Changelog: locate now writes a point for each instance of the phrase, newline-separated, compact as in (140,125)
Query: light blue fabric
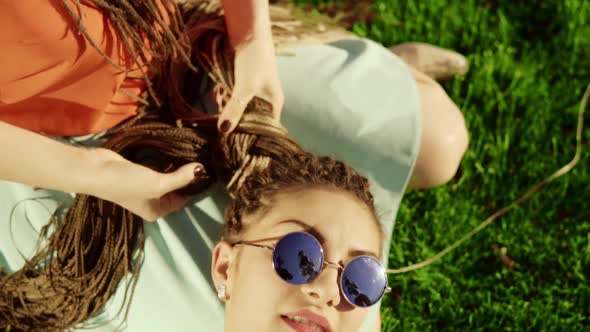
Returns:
(352,99)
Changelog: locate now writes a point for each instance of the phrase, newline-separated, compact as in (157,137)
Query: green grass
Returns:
(529,67)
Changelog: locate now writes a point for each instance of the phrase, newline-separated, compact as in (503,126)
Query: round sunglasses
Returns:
(298,258)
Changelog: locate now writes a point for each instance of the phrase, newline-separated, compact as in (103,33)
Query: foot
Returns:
(438,63)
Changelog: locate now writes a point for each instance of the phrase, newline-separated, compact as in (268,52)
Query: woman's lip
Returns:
(313,317)
(298,327)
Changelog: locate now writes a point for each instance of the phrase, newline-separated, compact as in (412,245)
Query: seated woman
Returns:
(328,198)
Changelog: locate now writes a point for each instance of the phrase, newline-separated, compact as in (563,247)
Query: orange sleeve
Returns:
(38,48)
(51,79)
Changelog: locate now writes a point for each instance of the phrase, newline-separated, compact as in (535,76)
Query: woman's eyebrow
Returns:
(354,253)
(313,231)
(308,228)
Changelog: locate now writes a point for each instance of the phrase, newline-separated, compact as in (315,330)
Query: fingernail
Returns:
(199,170)
(225,126)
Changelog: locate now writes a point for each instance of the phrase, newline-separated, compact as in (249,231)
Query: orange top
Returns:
(52,80)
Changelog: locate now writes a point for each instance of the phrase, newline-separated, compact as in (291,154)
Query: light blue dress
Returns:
(352,99)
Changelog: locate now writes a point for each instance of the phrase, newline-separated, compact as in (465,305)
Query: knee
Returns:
(452,149)
(450,136)
(445,138)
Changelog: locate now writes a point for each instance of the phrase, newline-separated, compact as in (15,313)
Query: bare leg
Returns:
(444,135)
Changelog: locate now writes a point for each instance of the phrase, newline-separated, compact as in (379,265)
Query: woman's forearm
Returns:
(247,20)
(39,161)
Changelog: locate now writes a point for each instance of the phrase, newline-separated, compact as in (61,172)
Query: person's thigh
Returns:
(444,135)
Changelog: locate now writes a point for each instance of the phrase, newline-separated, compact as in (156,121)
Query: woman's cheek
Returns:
(257,293)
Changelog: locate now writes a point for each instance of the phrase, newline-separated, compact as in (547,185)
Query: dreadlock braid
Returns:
(97,244)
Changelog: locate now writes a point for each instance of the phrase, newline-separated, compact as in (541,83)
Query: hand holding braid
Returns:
(137,188)
(256,74)
(255,65)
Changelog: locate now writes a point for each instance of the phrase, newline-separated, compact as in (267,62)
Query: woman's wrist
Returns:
(91,182)
(80,166)
(106,173)
(40,161)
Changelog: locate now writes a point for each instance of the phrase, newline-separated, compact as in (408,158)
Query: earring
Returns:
(221,293)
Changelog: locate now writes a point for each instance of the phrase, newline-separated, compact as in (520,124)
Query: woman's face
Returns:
(258,299)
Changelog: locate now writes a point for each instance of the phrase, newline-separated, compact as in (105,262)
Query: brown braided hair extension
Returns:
(95,244)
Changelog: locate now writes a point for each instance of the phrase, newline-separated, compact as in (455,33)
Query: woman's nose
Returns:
(324,288)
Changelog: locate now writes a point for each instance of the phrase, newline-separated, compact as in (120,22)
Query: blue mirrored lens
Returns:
(363,281)
(298,258)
